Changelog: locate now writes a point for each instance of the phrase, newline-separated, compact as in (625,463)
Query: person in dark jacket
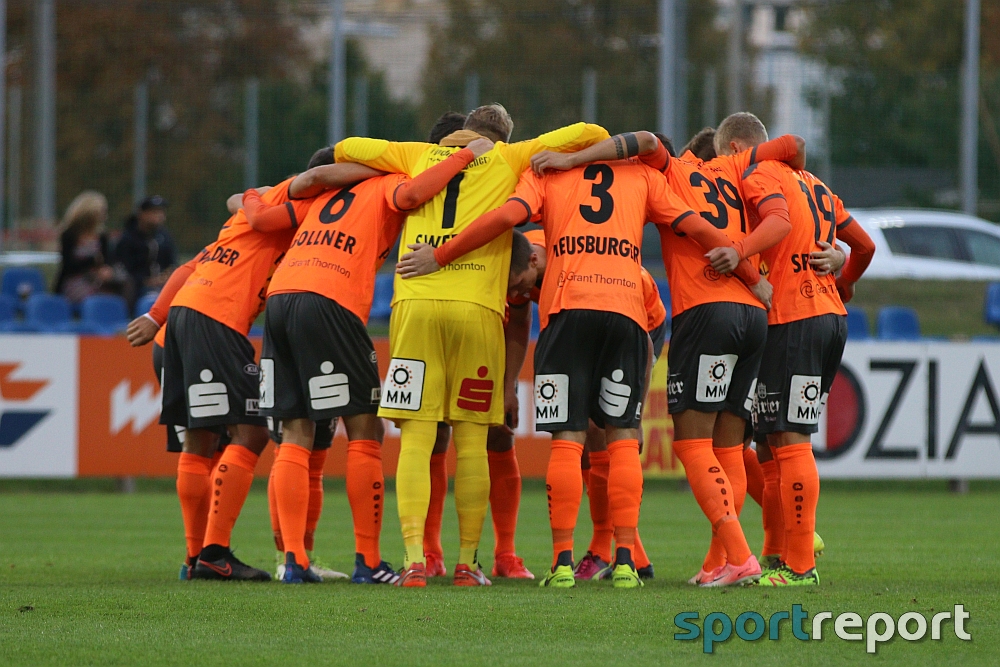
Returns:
(146,250)
(85,252)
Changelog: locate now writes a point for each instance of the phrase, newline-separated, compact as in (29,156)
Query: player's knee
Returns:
(365,427)
(254,438)
(499,440)
(200,441)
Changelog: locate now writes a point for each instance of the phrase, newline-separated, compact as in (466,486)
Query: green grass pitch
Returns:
(91,578)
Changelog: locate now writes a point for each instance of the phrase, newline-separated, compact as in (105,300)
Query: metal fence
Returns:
(197,100)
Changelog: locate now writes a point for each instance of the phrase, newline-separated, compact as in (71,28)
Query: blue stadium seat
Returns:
(103,315)
(991,307)
(857,324)
(143,305)
(47,313)
(256,331)
(8,313)
(535,321)
(21,282)
(382,301)
(898,323)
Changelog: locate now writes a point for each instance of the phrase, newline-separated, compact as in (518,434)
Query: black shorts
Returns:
(318,361)
(209,374)
(321,440)
(801,359)
(175,434)
(589,364)
(659,337)
(715,351)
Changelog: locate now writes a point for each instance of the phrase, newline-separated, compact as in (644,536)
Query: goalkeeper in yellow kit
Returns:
(446,332)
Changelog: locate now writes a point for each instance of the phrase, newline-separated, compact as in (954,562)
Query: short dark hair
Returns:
(492,121)
(321,157)
(667,143)
(702,144)
(450,121)
(741,126)
(520,252)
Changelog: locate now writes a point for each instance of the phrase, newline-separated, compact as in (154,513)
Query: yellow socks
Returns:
(472,487)
(413,484)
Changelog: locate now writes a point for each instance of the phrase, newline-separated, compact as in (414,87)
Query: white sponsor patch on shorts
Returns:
(404,385)
(330,390)
(748,404)
(551,398)
(267,383)
(805,399)
(715,372)
(208,399)
(614,395)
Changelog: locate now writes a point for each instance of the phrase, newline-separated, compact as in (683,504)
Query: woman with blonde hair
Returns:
(84,244)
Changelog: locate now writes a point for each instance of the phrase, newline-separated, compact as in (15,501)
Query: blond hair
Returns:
(86,213)
(743,127)
(491,121)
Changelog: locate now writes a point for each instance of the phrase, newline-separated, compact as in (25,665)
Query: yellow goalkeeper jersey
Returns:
(486,183)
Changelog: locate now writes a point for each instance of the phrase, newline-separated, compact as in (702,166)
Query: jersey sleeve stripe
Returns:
(753,165)
(673,225)
(772,196)
(525,205)
(845,223)
(753,155)
(291,214)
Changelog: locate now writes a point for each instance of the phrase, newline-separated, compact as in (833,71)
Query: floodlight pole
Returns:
(140,135)
(667,73)
(338,75)
(251,133)
(734,59)
(45,115)
(589,107)
(471,91)
(970,110)
(3,116)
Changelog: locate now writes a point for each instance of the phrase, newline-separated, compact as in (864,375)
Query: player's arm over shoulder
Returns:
(400,157)
(564,140)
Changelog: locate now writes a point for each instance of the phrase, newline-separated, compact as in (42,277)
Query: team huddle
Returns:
(757,283)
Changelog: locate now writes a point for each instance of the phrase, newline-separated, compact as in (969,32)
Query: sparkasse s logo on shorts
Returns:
(878,628)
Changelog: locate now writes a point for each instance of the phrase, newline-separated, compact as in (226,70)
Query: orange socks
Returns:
(505,498)
(272,506)
(624,491)
(365,492)
(714,494)
(435,510)
(230,486)
(565,489)
(317,460)
(731,459)
(639,555)
(755,476)
(597,493)
(194,488)
(291,486)
(799,497)
(774,520)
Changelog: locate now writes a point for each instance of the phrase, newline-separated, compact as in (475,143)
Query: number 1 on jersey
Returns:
(451,201)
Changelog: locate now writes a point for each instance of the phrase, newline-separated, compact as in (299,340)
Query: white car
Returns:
(931,245)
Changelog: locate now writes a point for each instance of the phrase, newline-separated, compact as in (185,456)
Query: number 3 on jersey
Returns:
(599,191)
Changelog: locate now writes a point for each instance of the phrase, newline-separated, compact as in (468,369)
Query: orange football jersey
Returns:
(230,283)
(814,213)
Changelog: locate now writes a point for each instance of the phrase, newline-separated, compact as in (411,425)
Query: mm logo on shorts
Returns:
(805,399)
(551,398)
(209,399)
(404,385)
(476,395)
(714,376)
(329,390)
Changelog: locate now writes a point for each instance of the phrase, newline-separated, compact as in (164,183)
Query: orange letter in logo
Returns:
(476,395)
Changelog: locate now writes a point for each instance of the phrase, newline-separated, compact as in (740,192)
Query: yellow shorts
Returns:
(447,363)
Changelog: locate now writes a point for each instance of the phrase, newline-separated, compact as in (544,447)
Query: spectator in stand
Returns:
(84,245)
(146,249)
